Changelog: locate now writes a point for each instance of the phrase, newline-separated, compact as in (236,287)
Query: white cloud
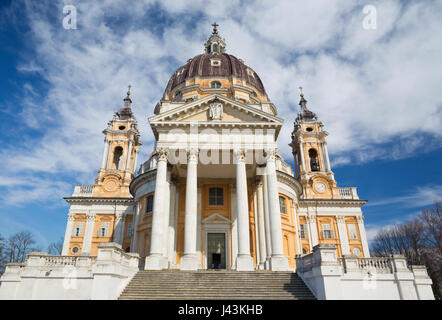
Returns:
(371,88)
(419,197)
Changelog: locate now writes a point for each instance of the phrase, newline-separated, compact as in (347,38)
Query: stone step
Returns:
(218,285)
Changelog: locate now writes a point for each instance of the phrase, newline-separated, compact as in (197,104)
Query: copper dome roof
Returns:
(201,66)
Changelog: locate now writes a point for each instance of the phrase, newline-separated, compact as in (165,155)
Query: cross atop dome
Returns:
(215,31)
(215,44)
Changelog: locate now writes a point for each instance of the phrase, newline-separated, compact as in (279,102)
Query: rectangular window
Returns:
(102,232)
(304,231)
(216,197)
(78,229)
(352,231)
(327,232)
(149,204)
(129,230)
(282,205)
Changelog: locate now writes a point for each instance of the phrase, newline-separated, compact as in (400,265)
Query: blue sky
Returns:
(376,91)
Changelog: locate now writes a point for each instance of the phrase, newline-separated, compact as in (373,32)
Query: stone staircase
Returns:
(212,285)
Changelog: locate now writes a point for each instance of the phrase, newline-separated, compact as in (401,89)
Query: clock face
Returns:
(320,187)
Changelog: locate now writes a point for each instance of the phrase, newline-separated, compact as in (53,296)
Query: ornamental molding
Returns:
(142,179)
(170,117)
(90,200)
(290,181)
(331,203)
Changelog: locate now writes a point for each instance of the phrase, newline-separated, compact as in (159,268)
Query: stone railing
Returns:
(83,190)
(42,259)
(350,277)
(350,263)
(348,193)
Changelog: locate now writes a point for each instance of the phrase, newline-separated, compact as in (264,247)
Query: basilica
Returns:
(215,192)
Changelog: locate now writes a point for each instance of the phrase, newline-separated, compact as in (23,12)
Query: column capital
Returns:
(239,154)
(340,219)
(270,154)
(119,216)
(71,216)
(162,154)
(90,217)
(360,219)
(192,154)
(311,218)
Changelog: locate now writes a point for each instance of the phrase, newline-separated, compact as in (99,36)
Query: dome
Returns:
(213,70)
(202,66)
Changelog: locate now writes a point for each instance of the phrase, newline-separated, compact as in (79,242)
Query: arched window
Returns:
(304,251)
(117,155)
(215,48)
(282,205)
(314,162)
(215,84)
(216,197)
(149,204)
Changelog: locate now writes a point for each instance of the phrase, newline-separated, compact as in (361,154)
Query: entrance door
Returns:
(216,251)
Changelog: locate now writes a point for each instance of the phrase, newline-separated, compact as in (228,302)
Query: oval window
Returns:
(121,127)
(309,129)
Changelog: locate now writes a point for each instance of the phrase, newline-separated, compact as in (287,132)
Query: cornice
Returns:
(331,202)
(141,179)
(72,200)
(289,180)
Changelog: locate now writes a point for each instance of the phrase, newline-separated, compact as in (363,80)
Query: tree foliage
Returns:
(419,240)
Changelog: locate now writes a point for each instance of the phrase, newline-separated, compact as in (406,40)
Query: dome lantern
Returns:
(215,44)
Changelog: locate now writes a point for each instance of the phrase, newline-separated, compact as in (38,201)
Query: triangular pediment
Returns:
(201,111)
(216,218)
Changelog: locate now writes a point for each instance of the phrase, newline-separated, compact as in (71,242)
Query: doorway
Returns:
(216,251)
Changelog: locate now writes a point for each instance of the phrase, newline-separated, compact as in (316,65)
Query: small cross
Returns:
(214,28)
(128,87)
(300,89)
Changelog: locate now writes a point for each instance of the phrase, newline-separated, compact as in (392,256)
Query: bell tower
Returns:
(309,148)
(121,147)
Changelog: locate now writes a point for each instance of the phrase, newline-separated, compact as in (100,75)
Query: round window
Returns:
(121,127)
(75,249)
(356,252)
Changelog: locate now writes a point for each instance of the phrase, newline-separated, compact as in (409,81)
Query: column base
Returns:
(155,262)
(279,263)
(244,263)
(190,262)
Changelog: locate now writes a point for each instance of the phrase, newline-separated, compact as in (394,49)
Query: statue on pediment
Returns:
(215,111)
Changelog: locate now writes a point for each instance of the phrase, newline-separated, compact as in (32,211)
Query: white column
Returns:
(156,259)
(89,229)
(296,220)
(267,222)
(171,227)
(191,260)
(342,229)
(313,231)
(68,234)
(255,210)
(134,169)
(327,159)
(166,213)
(133,244)
(278,261)
(244,260)
(129,152)
(261,226)
(105,153)
(234,233)
(363,236)
(117,232)
(301,151)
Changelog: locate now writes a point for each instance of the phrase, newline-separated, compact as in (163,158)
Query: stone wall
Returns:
(81,277)
(352,278)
